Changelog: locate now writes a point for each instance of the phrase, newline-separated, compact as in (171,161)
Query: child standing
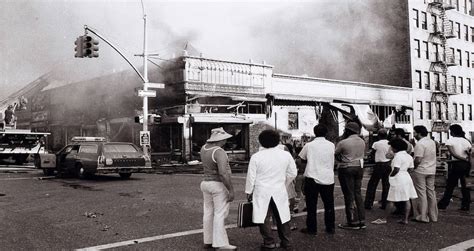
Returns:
(401,184)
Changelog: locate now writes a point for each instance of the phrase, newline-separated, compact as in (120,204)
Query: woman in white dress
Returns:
(401,184)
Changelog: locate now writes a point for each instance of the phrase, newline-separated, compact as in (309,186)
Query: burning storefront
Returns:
(201,94)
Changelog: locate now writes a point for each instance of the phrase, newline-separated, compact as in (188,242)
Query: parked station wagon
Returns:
(86,156)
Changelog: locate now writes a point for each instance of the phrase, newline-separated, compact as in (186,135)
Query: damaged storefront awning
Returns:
(220,118)
(247,97)
(295,100)
(364,113)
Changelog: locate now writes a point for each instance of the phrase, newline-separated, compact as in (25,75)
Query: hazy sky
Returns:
(297,37)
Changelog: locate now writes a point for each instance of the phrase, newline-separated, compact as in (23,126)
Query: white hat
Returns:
(218,134)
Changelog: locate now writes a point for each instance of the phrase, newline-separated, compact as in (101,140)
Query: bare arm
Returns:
(224,172)
(395,171)
(451,151)
(417,161)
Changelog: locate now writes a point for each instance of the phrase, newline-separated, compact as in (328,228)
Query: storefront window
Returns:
(202,131)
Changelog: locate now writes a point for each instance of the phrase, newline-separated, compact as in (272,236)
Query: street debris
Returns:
(105,228)
(92,214)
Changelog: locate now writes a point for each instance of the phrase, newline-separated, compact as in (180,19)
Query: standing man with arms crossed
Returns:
(425,208)
(319,179)
(350,155)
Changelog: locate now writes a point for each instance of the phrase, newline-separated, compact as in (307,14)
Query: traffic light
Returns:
(139,119)
(79,47)
(154,119)
(90,47)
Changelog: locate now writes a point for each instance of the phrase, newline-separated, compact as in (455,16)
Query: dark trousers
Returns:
(457,171)
(283,229)
(350,179)
(381,172)
(312,190)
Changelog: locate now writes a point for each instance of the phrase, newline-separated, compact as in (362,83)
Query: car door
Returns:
(70,158)
(87,156)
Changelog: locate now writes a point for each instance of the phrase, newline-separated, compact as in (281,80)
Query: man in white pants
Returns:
(425,207)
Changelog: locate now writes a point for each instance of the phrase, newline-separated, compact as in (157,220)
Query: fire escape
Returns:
(440,63)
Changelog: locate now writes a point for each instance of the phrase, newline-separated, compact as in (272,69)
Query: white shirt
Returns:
(381,148)
(270,171)
(425,148)
(460,146)
(402,160)
(320,156)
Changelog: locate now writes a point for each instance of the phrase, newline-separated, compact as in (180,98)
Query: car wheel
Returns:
(125,175)
(81,172)
(48,172)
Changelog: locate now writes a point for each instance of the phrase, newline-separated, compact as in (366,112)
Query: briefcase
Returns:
(245,215)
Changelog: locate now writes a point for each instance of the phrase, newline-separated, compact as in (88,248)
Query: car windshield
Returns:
(119,148)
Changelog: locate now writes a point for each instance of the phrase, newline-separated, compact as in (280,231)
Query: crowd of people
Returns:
(276,175)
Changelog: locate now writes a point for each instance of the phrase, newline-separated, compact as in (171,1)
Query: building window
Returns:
(428,109)
(292,120)
(469,110)
(419,108)
(472,34)
(472,58)
(455,106)
(465,7)
(424,24)
(468,59)
(454,85)
(417,48)
(434,21)
(436,81)
(461,85)
(418,79)
(415,18)
(466,32)
(450,58)
(458,30)
(438,110)
(459,55)
(426,50)
(468,86)
(457,5)
(426,80)
(446,111)
(462,112)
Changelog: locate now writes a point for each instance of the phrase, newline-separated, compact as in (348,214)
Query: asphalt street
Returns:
(164,212)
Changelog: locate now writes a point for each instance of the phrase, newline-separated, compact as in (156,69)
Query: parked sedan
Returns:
(93,155)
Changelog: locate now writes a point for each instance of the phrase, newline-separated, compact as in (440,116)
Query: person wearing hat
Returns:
(350,155)
(217,190)
(381,171)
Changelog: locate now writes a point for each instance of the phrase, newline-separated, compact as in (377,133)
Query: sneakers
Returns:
(379,221)
(270,246)
(228,247)
(349,226)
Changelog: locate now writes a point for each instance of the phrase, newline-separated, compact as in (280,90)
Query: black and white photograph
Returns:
(236,124)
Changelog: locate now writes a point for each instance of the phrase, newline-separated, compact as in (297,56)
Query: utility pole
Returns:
(145,84)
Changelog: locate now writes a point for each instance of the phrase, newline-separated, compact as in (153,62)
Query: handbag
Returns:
(245,212)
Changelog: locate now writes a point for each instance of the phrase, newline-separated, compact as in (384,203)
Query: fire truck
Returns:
(16,145)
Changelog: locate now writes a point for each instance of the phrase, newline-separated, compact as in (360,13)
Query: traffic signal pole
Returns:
(146,146)
(88,29)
